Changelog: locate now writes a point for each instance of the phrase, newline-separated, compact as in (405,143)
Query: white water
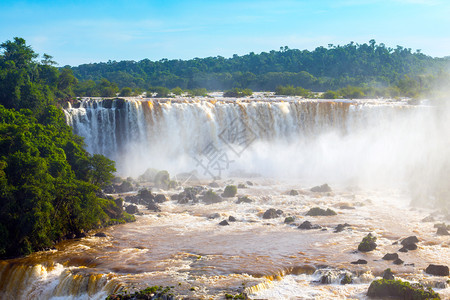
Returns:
(367,142)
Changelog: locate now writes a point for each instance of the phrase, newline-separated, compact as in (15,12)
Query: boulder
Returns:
(230,191)
(249,183)
(131,209)
(359,262)
(437,270)
(125,187)
(224,223)
(388,275)
(272,213)
(317,211)
(232,219)
(241,186)
(306,225)
(324,188)
(160,198)
(383,289)
(293,193)
(153,207)
(368,243)
(390,256)
(398,261)
(244,199)
(346,279)
(109,189)
(341,227)
(214,184)
(100,234)
(289,220)
(211,197)
(214,216)
(410,240)
(442,231)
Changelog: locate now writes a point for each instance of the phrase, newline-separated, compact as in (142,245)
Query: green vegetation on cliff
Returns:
(373,67)
(48,182)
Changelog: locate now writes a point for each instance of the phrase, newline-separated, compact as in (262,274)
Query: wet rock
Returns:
(293,193)
(410,240)
(385,289)
(317,211)
(100,234)
(224,223)
(153,207)
(442,231)
(437,270)
(272,213)
(232,219)
(183,200)
(109,189)
(306,225)
(211,197)
(241,186)
(214,184)
(230,191)
(132,199)
(289,220)
(346,279)
(390,256)
(430,218)
(341,227)
(388,275)
(160,198)
(368,243)
(359,262)
(410,247)
(80,235)
(326,279)
(346,207)
(324,188)
(131,209)
(214,216)
(145,196)
(244,199)
(403,249)
(249,183)
(174,197)
(125,187)
(398,261)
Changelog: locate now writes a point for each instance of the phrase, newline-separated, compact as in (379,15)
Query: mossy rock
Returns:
(162,179)
(289,220)
(317,211)
(230,191)
(211,197)
(368,243)
(383,288)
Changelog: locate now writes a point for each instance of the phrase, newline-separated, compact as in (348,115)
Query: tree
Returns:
(18,52)
(126,92)
(102,170)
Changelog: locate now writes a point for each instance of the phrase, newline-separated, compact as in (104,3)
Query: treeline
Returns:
(323,69)
(49,184)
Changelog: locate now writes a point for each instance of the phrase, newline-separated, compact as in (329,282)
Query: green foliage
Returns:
(399,289)
(48,182)
(201,92)
(154,292)
(101,171)
(177,91)
(161,92)
(319,70)
(290,90)
(238,93)
(126,92)
(42,199)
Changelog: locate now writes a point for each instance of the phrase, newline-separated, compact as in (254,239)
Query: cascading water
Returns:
(386,144)
(367,141)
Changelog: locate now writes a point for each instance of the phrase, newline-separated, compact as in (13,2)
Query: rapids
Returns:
(377,156)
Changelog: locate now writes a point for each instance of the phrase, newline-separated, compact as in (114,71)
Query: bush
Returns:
(238,93)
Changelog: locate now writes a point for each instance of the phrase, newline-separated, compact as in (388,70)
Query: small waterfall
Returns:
(37,281)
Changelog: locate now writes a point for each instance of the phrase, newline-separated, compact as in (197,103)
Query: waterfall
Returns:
(329,140)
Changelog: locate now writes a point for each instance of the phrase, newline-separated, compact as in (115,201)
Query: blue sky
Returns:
(76,32)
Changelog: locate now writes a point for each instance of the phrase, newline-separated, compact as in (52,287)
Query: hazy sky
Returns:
(77,32)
